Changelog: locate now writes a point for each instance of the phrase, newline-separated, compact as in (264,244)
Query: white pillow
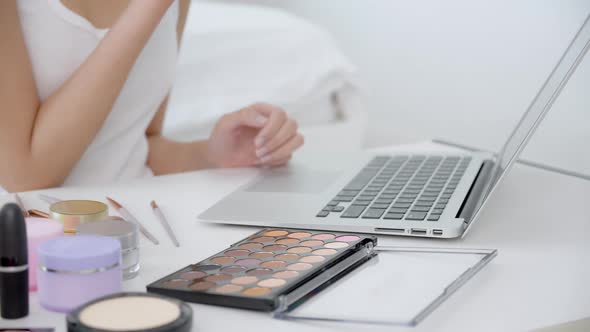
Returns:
(234,55)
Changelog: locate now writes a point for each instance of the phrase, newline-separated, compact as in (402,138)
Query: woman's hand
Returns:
(258,135)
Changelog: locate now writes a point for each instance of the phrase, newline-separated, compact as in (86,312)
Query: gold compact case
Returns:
(75,212)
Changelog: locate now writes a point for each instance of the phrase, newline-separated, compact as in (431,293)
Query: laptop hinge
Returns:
(474,195)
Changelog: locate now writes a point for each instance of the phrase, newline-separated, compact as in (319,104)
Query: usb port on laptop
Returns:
(419,231)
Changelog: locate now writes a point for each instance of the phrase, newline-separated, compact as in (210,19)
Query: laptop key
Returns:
(353,211)
(384,201)
(397,210)
(342,199)
(419,209)
(338,208)
(379,206)
(437,211)
(401,205)
(373,213)
(394,216)
(363,203)
(416,216)
(332,203)
(433,217)
(423,203)
(322,214)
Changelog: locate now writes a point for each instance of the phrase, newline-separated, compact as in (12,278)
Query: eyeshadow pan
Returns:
(251,261)
(323,236)
(312,243)
(222,260)
(177,283)
(202,285)
(263,239)
(324,252)
(261,254)
(299,250)
(299,267)
(286,241)
(245,280)
(336,245)
(275,247)
(229,288)
(274,264)
(272,283)
(348,238)
(259,272)
(192,275)
(276,233)
(234,269)
(287,257)
(208,267)
(257,291)
(218,277)
(286,274)
(250,245)
(299,235)
(237,252)
(312,259)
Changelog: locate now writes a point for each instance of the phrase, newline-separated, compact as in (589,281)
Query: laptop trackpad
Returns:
(293,180)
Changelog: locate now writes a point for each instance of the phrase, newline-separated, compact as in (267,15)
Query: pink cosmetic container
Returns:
(39,230)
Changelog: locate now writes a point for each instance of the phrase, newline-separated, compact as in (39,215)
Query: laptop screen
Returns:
(540,105)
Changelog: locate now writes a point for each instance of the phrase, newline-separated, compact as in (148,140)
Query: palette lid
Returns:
(388,286)
(79,252)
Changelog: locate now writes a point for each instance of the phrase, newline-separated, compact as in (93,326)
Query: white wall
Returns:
(462,70)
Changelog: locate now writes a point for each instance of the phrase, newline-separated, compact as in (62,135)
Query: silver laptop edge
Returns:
(540,105)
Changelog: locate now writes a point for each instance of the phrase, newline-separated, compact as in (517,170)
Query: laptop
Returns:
(413,194)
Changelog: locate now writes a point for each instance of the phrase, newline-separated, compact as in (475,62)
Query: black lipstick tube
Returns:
(14,269)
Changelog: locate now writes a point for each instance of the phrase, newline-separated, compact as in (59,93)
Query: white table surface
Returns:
(539,221)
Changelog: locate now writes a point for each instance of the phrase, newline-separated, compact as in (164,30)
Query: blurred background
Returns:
(382,72)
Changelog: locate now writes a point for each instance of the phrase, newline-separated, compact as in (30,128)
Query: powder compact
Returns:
(284,270)
(76,212)
(141,312)
(126,233)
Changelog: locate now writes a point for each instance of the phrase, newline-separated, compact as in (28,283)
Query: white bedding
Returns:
(234,55)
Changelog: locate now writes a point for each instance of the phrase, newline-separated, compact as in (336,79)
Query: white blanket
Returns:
(234,55)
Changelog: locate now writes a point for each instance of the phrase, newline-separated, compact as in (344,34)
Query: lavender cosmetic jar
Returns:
(74,270)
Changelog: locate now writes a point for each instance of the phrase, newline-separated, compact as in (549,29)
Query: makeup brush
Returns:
(49,199)
(127,215)
(38,213)
(164,222)
(21,205)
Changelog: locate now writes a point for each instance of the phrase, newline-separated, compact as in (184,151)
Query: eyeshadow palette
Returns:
(256,271)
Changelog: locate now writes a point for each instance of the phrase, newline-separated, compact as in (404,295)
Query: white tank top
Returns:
(58,41)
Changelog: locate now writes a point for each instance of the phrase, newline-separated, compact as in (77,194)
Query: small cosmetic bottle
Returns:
(76,269)
(14,274)
(126,233)
(76,212)
(39,230)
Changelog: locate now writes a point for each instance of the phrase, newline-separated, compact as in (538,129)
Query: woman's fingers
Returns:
(287,131)
(248,116)
(276,119)
(283,151)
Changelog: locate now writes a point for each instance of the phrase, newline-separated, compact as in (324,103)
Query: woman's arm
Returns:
(40,142)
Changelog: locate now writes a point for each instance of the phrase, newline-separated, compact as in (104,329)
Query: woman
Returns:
(83,94)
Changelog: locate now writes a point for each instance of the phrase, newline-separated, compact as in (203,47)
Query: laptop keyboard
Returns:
(400,188)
